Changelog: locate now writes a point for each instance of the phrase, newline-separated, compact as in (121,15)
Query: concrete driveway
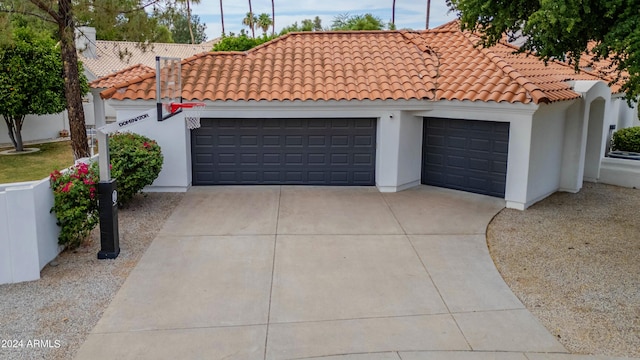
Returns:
(289,272)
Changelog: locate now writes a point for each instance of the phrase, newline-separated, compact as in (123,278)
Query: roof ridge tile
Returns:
(534,91)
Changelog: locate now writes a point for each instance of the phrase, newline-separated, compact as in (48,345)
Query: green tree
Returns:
(60,13)
(64,15)
(307,25)
(240,42)
(175,19)
(357,22)
(563,30)
(189,17)
(264,22)
(31,80)
(250,21)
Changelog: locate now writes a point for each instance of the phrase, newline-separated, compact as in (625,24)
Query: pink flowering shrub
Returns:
(75,202)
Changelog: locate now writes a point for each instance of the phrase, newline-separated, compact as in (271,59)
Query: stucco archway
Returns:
(595,144)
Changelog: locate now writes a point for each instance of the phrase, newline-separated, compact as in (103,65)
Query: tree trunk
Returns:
(428,13)
(18,121)
(222,17)
(73,94)
(251,22)
(393,13)
(11,129)
(273,18)
(193,41)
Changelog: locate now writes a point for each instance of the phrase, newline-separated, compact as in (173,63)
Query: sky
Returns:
(409,13)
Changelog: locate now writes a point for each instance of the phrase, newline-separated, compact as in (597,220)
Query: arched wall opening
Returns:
(595,140)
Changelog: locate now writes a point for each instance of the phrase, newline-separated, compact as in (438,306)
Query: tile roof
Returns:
(124,75)
(437,64)
(113,56)
(604,68)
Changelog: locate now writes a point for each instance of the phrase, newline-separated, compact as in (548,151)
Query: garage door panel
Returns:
(465,155)
(248,124)
(293,159)
(317,141)
(293,141)
(363,159)
(284,151)
(270,140)
(339,159)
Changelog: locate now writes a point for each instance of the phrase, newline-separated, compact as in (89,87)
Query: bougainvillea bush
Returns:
(136,162)
(75,202)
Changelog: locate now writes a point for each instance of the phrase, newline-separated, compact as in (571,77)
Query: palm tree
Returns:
(250,20)
(188,3)
(222,17)
(393,13)
(264,21)
(273,18)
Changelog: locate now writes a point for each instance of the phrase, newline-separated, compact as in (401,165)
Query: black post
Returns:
(108,210)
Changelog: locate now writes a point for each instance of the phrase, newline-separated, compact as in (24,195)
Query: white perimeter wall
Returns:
(624,116)
(28,232)
(44,127)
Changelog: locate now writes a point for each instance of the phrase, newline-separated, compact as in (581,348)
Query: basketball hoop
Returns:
(192,112)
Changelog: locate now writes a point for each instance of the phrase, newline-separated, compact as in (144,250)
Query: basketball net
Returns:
(192,112)
(192,116)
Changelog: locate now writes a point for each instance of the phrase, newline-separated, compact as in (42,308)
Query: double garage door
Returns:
(284,151)
(465,155)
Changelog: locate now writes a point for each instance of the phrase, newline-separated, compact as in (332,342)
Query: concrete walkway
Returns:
(276,272)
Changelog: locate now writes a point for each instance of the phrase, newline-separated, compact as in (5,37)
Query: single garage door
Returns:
(465,155)
(284,151)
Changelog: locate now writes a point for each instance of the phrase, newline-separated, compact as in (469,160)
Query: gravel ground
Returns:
(60,309)
(574,261)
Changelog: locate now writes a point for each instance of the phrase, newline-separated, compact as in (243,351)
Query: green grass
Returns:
(38,165)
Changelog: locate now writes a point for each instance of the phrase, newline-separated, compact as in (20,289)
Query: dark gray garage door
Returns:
(284,151)
(465,155)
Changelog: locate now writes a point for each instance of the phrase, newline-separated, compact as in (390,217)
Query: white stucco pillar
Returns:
(399,151)
(518,163)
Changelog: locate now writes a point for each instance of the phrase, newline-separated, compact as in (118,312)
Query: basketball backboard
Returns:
(168,86)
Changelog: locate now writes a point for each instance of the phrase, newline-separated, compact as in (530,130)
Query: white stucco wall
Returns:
(586,131)
(519,117)
(544,145)
(626,116)
(397,162)
(28,231)
(174,139)
(399,152)
(545,163)
(45,127)
(37,127)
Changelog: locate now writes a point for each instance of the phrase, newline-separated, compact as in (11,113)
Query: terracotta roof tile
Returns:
(122,76)
(604,68)
(438,64)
